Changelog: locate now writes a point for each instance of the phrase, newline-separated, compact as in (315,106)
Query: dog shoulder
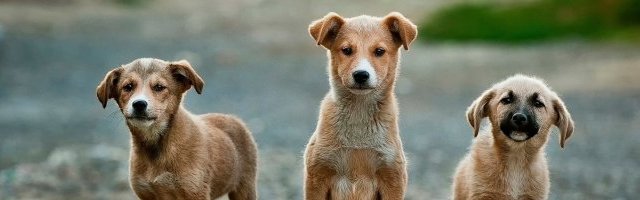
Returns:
(232,127)
(225,122)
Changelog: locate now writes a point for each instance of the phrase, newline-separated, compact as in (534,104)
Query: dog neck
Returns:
(361,120)
(151,141)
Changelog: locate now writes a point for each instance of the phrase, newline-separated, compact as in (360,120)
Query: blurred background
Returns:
(258,61)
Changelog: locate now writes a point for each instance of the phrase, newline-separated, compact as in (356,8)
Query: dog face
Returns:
(364,50)
(521,108)
(148,90)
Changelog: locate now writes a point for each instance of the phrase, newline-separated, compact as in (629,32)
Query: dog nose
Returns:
(519,119)
(139,105)
(360,76)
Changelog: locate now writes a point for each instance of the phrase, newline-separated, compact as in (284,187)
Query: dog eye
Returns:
(347,51)
(158,87)
(379,52)
(128,87)
(506,100)
(538,104)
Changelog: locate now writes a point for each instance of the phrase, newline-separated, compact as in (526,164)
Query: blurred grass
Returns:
(535,21)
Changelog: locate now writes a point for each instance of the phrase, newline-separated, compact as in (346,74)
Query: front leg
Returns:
(533,197)
(189,186)
(392,182)
(143,190)
(203,194)
(489,196)
(317,183)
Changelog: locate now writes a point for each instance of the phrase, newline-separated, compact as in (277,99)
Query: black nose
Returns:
(519,119)
(360,76)
(139,105)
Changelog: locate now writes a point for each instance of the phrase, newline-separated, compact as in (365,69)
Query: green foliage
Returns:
(539,20)
(630,13)
(131,3)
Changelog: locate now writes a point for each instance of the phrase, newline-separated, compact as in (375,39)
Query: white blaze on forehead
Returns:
(365,65)
(145,62)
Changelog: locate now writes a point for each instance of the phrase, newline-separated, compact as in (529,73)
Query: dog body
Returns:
(356,151)
(176,154)
(507,159)
(490,173)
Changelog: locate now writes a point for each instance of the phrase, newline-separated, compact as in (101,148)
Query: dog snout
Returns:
(361,76)
(139,106)
(519,119)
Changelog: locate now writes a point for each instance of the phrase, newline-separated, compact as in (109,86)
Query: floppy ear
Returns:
(325,30)
(107,88)
(183,72)
(402,30)
(563,121)
(479,109)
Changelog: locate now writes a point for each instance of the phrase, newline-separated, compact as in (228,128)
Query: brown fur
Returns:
(180,155)
(356,152)
(498,167)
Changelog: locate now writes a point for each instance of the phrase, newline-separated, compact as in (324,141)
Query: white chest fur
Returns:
(515,179)
(520,176)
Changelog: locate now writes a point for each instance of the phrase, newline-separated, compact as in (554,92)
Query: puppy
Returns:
(176,154)
(507,161)
(355,151)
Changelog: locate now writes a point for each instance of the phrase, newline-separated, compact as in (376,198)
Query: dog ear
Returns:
(107,88)
(183,72)
(325,30)
(403,31)
(563,121)
(478,110)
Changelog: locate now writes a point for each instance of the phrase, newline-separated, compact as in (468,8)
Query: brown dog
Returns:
(356,152)
(508,160)
(175,154)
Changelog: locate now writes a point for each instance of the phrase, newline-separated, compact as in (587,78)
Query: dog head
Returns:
(148,91)
(521,108)
(364,50)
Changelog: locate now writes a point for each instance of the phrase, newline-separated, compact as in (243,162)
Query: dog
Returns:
(508,161)
(176,154)
(356,151)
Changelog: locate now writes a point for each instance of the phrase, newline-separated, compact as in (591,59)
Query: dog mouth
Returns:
(361,87)
(518,136)
(141,118)
(518,133)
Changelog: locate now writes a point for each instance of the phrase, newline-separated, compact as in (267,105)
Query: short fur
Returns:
(176,154)
(356,152)
(498,167)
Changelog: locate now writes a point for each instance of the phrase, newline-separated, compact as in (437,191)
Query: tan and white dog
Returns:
(507,160)
(176,154)
(356,151)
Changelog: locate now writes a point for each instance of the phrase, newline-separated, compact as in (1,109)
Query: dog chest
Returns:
(353,149)
(360,130)
(356,167)
(515,182)
(357,136)
(521,178)
(357,162)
